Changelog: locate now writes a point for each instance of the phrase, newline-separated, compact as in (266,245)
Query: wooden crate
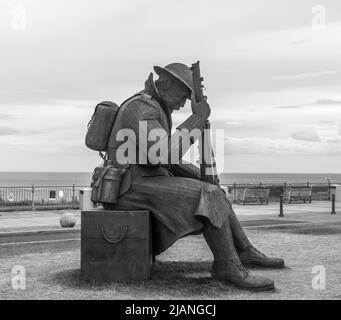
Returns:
(115,245)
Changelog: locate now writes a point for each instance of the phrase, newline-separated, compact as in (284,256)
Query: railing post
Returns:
(73,195)
(234,193)
(329,191)
(284,189)
(333,204)
(281,206)
(33,191)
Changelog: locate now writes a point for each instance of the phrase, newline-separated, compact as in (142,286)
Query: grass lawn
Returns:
(182,272)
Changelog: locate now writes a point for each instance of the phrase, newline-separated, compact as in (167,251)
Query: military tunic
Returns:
(173,193)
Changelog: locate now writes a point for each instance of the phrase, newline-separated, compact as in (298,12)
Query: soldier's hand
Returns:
(202,108)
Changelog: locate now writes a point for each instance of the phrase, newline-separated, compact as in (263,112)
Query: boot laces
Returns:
(240,266)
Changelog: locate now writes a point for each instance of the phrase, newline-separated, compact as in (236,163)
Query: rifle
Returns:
(208,169)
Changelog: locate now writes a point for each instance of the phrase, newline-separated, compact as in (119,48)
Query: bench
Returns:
(298,194)
(253,195)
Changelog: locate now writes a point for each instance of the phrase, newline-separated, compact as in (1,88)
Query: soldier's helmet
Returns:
(180,71)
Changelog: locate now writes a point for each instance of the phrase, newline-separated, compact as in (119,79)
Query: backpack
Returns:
(100,125)
(106,178)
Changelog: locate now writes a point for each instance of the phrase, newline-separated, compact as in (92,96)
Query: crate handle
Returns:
(114,241)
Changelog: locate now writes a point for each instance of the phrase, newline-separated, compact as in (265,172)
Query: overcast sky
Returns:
(272,75)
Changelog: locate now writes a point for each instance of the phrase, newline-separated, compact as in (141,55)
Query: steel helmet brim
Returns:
(159,70)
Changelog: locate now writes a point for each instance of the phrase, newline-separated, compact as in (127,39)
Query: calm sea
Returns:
(84,178)
(45,178)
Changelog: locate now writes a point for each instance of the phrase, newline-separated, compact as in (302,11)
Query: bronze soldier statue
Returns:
(180,202)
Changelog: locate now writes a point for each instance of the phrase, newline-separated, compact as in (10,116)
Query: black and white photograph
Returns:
(177,153)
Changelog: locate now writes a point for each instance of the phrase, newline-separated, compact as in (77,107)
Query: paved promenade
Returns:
(33,220)
(318,211)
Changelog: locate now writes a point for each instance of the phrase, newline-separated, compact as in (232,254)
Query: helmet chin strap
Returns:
(169,107)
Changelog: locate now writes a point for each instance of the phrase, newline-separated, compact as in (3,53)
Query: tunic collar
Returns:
(150,88)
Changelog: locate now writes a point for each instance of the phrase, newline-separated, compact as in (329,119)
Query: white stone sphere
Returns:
(68,220)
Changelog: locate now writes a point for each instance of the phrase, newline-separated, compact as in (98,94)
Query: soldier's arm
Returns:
(187,170)
(144,119)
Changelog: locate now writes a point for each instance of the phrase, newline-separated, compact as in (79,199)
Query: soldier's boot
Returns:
(248,254)
(254,258)
(227,266)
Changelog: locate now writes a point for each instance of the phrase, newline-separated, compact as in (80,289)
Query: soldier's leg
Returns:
(248,254)
(227,265)
(240,239)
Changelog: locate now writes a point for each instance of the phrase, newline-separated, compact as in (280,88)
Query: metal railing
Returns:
(35,197)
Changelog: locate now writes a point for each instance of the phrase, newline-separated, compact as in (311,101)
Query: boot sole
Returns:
(256,289)
(256,265)
(239,286)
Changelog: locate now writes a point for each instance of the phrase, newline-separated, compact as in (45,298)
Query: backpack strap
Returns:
(132,97)
(105,169)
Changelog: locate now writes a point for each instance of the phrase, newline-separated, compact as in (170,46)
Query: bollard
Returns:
(281,206)
(333,204)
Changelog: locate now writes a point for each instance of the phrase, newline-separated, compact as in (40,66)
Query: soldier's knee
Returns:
(213,188)
(219,193)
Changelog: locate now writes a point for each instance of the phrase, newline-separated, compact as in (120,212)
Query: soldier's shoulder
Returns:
(142,104)
(143,100)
